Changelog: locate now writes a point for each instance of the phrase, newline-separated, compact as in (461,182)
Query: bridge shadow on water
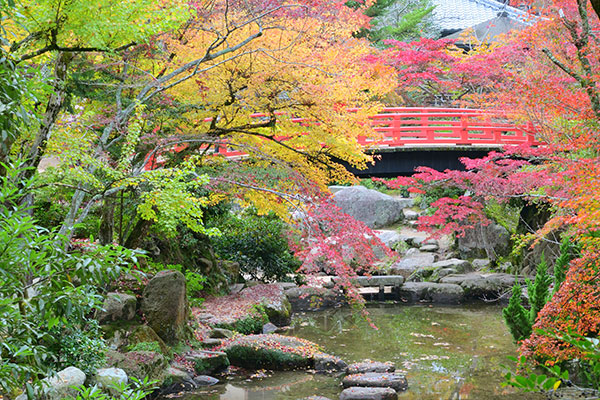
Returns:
(402,161)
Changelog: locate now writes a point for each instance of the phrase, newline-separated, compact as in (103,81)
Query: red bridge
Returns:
(445,126)
(431,135)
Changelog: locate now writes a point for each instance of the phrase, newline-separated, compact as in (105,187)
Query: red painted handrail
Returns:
(444,126)
(423,127)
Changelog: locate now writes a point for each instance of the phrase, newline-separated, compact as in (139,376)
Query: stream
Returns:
(447,353)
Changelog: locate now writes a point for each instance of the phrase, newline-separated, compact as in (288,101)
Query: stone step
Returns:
(391,380)
(370,366)
(368,393)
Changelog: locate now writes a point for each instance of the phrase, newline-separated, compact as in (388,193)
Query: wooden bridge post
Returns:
(464,130)
(429,137)
(530,133)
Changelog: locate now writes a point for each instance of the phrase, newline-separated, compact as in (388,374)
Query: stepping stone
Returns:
(429,248)
(315,398)
(220,333)
(481,286)
(210,342)
(410,215)
(461,266)
(378,380)
(412,261)
(368,393)
(328,363)
(388,237)
(370,366)
(205,380)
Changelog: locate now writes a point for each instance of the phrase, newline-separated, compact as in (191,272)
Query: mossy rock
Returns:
(139,364)
(165,306)
(124,336)
(272,351)
(208,362)
(279,312)
(145,334)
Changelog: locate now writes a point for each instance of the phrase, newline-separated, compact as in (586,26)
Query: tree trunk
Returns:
(55,103)
(138,234)
(107,222)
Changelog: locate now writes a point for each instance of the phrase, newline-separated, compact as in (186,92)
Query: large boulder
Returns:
(62,385)
(481,286)
(306,298)
(277,306)
(272,351)
(208,362)
(490,241)
(430,292)
(139,364)
(373,208)
(126,336)
(117,307)
(165,305)
(389,237)
(411,262)
(108,378)
(391,380)
(368,393)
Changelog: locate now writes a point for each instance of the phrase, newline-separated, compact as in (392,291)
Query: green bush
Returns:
(258,244)
(516,317)
(44,290)
(84,350)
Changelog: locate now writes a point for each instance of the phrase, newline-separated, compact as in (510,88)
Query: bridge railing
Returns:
(420,126)
(444,126)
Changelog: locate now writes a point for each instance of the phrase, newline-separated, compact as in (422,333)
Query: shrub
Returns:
(518,320)
(258,244)
(84,350)
(45,289)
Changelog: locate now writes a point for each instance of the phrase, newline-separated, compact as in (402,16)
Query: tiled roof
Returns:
(461,14)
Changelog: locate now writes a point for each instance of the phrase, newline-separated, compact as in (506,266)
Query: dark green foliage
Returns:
(82,349)
(258,244)
(516,316)
(538,290)
(49,214)
(45,289)
(568,251)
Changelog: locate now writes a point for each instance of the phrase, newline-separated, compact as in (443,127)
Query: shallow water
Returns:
(447,353)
